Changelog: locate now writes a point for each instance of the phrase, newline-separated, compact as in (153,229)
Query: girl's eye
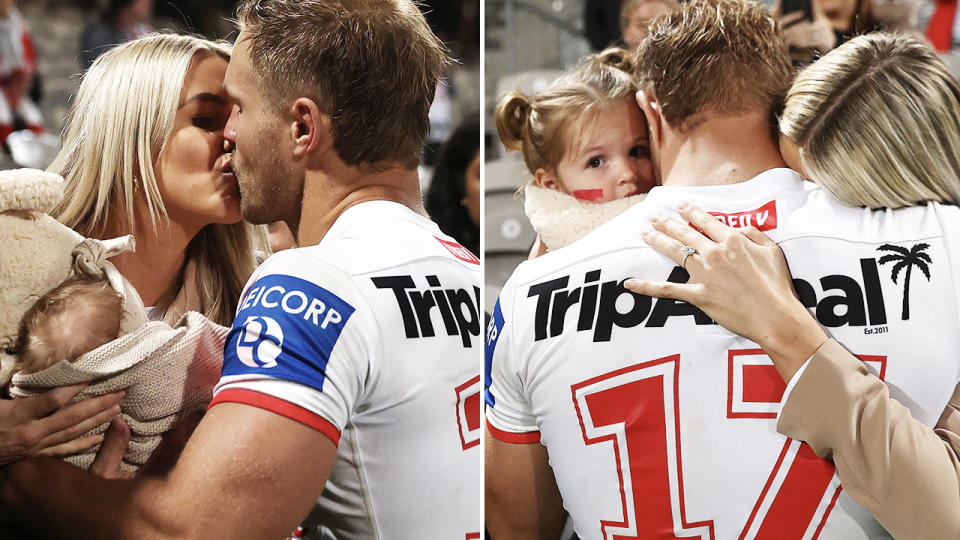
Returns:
(595,162)
(639,151)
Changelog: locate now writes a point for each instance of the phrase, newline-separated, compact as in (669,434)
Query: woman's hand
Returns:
(44,426)
(741,280)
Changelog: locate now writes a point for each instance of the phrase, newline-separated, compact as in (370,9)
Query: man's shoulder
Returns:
(297,283)
(595,257)
(820,215)
(379,235)
(306,263)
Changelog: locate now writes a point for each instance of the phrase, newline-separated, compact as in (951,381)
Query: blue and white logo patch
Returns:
(286,328)
(260,342)
(493,335)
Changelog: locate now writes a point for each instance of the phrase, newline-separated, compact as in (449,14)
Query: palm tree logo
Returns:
(904,258)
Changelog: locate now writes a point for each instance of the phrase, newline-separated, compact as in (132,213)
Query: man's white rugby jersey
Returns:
(373,338)
(659,423)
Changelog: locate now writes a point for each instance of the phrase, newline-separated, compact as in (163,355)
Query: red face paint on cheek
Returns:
(589,195)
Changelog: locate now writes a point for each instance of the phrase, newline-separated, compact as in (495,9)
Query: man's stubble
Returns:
(270,189)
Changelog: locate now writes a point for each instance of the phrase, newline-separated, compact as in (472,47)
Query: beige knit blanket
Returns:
(168,373)
(561,219)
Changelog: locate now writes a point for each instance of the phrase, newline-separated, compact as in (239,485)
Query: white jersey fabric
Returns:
(661,424)
(373,338)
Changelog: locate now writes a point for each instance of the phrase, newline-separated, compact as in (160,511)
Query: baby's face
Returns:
(70,320)
(609,157)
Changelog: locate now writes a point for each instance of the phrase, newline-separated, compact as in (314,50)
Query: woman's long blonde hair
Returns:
(120,122)
(877,121)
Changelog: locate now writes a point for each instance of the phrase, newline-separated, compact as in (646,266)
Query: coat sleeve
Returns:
(904,472)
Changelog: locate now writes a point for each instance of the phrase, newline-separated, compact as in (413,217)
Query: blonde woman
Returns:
(143,155)
(876,122)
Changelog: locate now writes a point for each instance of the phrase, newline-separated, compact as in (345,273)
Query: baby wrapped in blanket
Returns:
(67,316)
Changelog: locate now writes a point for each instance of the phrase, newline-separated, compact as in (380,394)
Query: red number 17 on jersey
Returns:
(636,408)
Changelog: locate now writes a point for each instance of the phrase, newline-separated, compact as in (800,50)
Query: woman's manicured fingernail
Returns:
(683,205)
(634,283)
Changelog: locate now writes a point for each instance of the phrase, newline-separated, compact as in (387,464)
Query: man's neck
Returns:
(722,151)
(328,194)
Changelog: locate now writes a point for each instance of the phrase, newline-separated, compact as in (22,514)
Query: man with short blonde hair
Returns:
(715,58)
(359,61)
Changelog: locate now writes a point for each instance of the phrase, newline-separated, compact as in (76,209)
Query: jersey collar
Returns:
(772,183)
(374,215)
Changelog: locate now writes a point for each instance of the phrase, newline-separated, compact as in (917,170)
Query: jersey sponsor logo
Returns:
(288,326)
(763,218)
(852,300)
(292,300)
(459,251)
(490,345)
(903,258)
(600,306)
(458,310)
(260,342)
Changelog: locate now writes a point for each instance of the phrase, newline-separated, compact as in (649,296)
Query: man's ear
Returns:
(546,179)
(311,128)
(651,111)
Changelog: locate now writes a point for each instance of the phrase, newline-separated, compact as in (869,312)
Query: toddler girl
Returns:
(584,140)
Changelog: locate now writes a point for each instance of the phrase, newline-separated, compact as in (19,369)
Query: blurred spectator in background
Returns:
(601,21)
(902,16)
(816,27)
(210,18)
(453,198)
(635,18)
(943,30)
(121,21)
(457,24)
(18,68)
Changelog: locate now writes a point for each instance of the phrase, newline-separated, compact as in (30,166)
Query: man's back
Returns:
(379,329)
(661,424)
